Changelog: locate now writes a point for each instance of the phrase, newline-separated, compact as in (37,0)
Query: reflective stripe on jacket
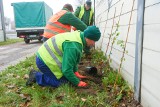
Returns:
(82,13)
(54,27)
(51,51)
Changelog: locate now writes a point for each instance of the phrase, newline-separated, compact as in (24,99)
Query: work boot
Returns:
(32,78)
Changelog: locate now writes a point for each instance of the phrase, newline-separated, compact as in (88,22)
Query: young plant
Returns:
(115,35)
(124,50)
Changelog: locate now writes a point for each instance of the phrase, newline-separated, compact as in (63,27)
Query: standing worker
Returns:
(61,22)
(85,13)
(59,56)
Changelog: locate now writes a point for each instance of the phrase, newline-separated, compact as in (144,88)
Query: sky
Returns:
(56,5)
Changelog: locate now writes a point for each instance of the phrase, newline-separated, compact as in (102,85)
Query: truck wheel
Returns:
(26,40)
(39,39)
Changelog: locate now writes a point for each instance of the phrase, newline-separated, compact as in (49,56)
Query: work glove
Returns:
(82,84)
(73,28)
(79,75)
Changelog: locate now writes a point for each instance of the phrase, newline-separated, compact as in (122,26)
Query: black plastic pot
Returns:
(91,70)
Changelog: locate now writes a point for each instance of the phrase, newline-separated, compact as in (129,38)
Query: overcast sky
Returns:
(56,5)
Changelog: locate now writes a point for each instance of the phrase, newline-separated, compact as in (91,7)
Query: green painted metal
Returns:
(31,14)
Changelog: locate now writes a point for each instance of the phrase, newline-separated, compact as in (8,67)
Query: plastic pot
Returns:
(91,70)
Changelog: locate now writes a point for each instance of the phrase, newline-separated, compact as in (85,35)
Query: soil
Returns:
(95,80)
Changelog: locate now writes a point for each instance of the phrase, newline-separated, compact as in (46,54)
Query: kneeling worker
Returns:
(58,58)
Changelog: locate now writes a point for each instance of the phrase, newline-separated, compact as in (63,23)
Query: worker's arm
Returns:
(72,20)
(71,58)
(76,13)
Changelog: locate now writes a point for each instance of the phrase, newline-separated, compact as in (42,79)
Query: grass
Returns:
(14,92)
(11,41)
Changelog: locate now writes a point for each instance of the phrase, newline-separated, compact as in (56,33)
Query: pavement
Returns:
(14,53)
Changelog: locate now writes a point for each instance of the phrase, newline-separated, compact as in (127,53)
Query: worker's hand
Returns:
(82,84)
(79,75)
(73,28)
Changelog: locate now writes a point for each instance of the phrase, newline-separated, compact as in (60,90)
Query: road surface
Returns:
(12,54)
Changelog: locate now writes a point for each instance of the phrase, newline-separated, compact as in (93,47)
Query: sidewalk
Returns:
(13,53)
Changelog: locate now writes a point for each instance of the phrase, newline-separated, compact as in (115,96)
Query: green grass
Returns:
(11,41)
(14,92)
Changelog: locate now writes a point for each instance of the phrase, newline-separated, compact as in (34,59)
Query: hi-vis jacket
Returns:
(82,13)
(54,27)
(51,51)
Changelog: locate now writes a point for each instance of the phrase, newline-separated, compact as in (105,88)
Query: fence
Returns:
(130,38)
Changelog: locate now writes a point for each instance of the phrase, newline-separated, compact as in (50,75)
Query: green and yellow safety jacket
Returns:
(85,15)
(62,54)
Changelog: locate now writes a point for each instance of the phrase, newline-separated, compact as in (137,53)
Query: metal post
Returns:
(2,19)
(139,50)
(94,11)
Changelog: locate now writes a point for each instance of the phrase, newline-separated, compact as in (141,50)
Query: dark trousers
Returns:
(45,39)
(46,77)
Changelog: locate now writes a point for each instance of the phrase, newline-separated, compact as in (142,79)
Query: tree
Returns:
(7,22)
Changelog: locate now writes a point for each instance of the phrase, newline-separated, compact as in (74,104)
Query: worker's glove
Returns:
(82,84)
(79,75)
(73,28)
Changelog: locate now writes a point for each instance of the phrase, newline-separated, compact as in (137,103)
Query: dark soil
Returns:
(95,80)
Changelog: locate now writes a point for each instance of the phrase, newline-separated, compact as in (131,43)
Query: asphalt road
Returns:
(14,53)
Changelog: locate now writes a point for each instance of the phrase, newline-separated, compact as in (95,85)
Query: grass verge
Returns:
(14,92)
(11,41)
